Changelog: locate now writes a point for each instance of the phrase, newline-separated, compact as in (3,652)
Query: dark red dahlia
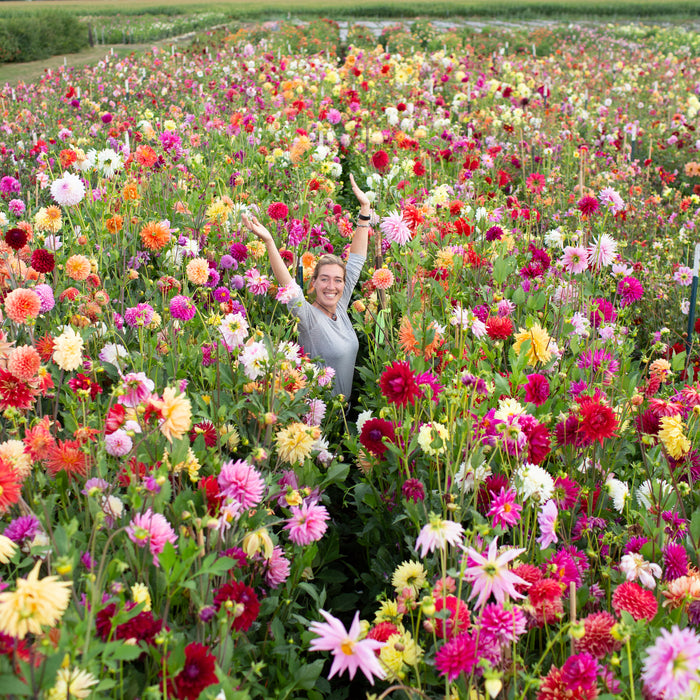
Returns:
(207,430)
(240,601)
(489,490)
(198,673)
(16,238)
(647,422)
(538,442)
(413,490)
(398,384)
(143,627)
(42,260)
(587,205)
(569,433)
(372,434)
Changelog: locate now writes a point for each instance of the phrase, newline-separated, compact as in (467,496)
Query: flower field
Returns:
(505,507)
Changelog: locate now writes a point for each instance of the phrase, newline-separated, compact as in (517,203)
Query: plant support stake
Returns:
(693,300)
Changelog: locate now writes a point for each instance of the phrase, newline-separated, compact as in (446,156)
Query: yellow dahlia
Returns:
(35,604)
(539,343)
(294,442)
(671,434)
(408,574)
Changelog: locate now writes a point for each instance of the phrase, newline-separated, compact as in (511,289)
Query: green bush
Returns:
(31,37)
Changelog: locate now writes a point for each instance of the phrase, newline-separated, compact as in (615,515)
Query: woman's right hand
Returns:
(254,226)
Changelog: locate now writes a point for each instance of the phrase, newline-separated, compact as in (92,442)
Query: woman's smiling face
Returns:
(329,285)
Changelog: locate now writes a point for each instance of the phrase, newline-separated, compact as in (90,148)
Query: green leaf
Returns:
(306,676)
(167,557)
(11,685)
(501,384)
(695,525)
(126,652)
(337,473)
(179,452)
(678,361)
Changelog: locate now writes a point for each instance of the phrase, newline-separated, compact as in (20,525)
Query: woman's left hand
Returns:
(362,198)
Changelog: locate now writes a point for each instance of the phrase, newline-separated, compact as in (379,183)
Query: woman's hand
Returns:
(254,226)
(362,198)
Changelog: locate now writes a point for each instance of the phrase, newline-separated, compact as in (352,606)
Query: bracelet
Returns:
(359,225)
(362,217)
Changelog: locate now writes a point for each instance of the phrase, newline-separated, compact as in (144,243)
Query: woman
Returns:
(325,329)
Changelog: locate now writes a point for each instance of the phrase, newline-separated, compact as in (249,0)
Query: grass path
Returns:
(32,71)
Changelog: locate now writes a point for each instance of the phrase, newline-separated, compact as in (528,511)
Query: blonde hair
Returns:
(328,259)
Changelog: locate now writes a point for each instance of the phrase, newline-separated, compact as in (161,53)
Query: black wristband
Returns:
(362,217)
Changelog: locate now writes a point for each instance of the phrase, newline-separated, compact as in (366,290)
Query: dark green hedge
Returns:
(37,35)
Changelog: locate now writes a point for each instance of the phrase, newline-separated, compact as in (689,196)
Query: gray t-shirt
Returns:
(333,341)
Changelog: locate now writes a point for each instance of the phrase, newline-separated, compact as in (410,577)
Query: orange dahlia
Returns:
(78,267)
(22,305)
(24,362)
(382,278)
(114,223)
(38,439)
(198,271)
(66,455)
(154,235)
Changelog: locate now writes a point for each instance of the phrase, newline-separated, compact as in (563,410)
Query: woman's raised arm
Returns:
(361,235)
(279,268)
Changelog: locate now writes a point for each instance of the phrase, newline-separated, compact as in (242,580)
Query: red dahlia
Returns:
(597,639)
(278,211)
(545,598)
(14,393)
(198,673)
(597,420)
(382,631)
(42,260)
(372,433)
(538,442)
(45,347)
(456,622)
(244,603)
(380,160)
(398,384)
(499,327)
(637,601)
(116,417)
